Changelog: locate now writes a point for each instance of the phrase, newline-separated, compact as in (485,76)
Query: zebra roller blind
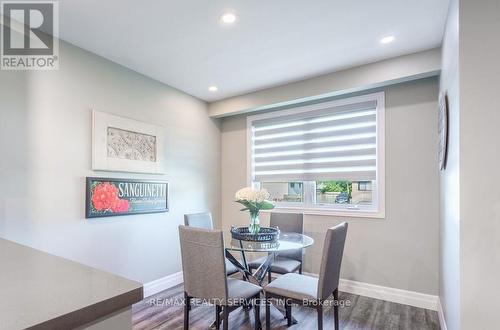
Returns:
(330,143)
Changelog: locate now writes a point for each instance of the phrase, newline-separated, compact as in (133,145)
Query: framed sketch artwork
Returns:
(126,145)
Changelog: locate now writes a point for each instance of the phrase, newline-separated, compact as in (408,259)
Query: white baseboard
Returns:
(442,321)
(163,283)
(399,296)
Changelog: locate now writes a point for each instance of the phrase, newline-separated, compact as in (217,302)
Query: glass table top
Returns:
(286,241)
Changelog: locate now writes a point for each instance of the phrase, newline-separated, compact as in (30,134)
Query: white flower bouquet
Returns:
(253,201)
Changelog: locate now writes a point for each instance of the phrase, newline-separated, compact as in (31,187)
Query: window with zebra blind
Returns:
(322,158)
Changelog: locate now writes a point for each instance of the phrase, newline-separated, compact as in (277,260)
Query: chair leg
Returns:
(187,303)
(300,269)
(256,310)
(267,301)
(217,316)
(269,277)
(336,309)
(226,317)
(288,307)
(320,316)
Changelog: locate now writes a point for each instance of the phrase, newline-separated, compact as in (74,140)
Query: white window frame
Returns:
(377,209)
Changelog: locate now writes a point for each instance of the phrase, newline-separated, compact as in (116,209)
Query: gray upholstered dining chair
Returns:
(204,271)
(299,289)
(204,220)
(286,261)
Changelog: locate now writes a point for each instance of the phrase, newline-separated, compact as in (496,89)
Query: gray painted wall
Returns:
(401,251)
(470,216)
(45,143)
(450,179)
(360,78)
(479,163)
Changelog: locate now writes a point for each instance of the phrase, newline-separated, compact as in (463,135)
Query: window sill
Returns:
(330,212)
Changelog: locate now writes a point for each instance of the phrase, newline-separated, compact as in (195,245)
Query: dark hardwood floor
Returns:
(165,311)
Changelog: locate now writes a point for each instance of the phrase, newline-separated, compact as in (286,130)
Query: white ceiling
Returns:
(183,44)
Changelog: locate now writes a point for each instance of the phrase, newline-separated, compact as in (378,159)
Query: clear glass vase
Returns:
(254,226)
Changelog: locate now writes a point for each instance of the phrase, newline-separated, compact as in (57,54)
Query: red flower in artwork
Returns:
(105,194)
(106,198)
(120,205)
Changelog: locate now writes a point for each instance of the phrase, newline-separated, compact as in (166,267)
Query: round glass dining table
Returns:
(285,242)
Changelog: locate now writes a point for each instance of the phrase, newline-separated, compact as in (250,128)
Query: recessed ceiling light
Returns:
(213,89)
(387,40)
(228,18)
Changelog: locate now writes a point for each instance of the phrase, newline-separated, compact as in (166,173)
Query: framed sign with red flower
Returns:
(110,197)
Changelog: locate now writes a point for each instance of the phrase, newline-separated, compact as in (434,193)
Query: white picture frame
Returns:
(127,159)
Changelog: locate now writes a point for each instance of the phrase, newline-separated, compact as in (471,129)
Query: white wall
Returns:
(401,251)
(45,143)
(479,163)
(450,179)
(470,212)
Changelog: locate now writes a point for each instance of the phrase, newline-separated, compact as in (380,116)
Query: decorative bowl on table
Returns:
(265,234)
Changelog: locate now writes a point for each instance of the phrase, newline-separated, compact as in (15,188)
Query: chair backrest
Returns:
(199,220)
(333,250)
(289,223)
(203,264)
